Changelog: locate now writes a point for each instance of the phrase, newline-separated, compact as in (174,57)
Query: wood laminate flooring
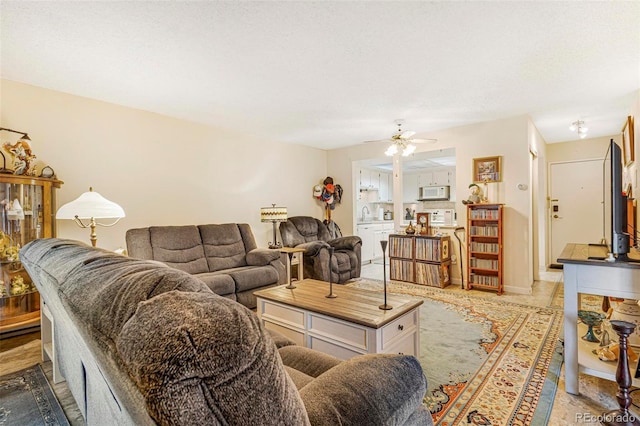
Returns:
(19,352)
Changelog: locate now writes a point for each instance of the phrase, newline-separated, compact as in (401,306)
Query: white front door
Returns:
(576,214)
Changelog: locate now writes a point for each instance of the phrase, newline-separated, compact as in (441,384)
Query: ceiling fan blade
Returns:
(407,134)
(379,140)
(423,140)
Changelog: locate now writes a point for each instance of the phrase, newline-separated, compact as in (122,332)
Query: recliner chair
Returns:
(313,236)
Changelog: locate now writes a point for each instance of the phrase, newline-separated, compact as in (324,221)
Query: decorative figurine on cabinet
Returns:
(22,157)
(476,195)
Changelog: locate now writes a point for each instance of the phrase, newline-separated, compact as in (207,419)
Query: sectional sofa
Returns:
(141,343)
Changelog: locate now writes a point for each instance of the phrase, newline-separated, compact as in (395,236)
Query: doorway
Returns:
(576,205)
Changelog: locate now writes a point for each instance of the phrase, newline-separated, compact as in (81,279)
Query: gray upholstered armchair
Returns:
(313,236)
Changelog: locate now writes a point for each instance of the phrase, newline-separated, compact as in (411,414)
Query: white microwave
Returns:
(430,193)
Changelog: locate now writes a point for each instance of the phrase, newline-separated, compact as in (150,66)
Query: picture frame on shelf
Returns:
(487,169)
(628,148)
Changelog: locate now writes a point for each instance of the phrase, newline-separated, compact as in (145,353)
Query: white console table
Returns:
(584,275)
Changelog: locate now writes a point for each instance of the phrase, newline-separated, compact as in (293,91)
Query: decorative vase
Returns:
(628,310)
(410,230)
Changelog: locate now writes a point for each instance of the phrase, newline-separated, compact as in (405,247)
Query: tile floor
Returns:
(596,395)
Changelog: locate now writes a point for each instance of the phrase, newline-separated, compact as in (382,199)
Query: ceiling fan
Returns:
(401,141)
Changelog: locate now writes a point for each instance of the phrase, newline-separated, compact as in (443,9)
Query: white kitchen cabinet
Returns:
(374,179)
(369,179)
(371,235)
(381,234)
(442,177)
(385,192)
(378,236)
(366,234)
(365,178)
(439,177)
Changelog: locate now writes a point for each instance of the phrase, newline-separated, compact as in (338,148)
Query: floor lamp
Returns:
(91,206)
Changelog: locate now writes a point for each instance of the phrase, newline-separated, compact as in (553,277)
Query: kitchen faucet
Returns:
(363,216)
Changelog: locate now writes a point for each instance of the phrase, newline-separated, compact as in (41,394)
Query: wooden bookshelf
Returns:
(420,259)
(484,247)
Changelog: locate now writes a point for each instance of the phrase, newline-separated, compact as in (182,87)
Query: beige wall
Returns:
(161,170)
(538,185)
(580,149)
(508,138)
(594,148)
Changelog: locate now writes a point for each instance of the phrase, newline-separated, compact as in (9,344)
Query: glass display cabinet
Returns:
(27,205)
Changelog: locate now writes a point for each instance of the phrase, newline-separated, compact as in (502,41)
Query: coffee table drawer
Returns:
(406,324)
(332,348)
(341,331)
(405,346)
(293,334)
(282,313)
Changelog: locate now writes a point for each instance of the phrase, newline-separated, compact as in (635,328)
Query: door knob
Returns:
(555,216)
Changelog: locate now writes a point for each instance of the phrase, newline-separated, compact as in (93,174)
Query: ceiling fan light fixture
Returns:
(579,127)
(392,150)
(408,150)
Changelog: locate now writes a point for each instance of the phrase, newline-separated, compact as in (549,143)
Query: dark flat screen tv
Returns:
(615,203)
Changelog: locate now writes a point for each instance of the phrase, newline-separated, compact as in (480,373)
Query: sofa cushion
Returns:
(225,367)
(251,277)
(356,392)
(224,246)
(179,247)
(105,292)
(311,362)
(219,283)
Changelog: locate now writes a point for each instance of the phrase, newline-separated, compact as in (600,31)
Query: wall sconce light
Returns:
(579,127)
(91,206)
(274,215)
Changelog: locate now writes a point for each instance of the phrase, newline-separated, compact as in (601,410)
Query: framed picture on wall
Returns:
(487,169)
(628,148)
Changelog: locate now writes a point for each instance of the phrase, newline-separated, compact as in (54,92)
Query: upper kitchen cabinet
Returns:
(385,192)
(369,179)
(438,177)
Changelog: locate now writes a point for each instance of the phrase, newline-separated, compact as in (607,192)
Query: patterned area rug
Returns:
(588,302)
(487,362)
(26,399)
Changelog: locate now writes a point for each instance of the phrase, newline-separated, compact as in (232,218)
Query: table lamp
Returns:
(274,215)
(91,206)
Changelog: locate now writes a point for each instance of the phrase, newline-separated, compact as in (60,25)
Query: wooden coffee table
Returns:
(349,325)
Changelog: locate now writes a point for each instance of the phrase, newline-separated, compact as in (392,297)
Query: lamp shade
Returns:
(90,205)
(273,214)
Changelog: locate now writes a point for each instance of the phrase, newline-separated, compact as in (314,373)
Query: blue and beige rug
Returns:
(487,362)
(26,399)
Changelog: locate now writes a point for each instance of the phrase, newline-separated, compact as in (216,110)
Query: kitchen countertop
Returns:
(404,223)
(372,221)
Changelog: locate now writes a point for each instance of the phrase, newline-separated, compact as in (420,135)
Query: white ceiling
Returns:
(332,74)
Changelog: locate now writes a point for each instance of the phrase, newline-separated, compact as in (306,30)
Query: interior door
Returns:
(576,204)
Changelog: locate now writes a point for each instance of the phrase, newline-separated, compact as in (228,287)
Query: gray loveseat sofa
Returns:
(140,343)
(224,256)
